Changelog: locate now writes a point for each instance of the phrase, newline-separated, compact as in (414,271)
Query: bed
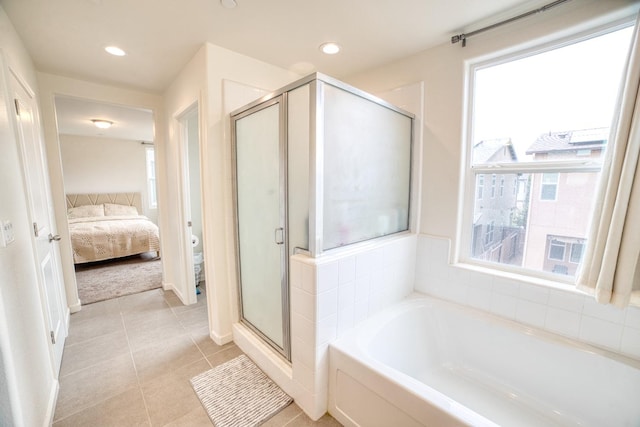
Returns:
(107,226)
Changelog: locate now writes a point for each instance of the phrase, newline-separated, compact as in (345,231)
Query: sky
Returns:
(570,88)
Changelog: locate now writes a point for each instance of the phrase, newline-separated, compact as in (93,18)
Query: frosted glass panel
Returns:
(367,159)
(298,168)
(259,207)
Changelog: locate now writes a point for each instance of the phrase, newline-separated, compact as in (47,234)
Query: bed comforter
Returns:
(105,237)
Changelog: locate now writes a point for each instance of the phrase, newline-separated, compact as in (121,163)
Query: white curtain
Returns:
(611,265)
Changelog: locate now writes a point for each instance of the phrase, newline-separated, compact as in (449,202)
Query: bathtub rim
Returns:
(363,332)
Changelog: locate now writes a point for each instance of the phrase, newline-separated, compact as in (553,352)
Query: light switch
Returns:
(6,231)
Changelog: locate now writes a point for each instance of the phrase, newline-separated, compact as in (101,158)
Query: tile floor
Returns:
(128,361)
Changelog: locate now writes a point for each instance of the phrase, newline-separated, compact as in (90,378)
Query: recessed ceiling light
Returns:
(102,124)
(114,50)
(229,4)
(330,48)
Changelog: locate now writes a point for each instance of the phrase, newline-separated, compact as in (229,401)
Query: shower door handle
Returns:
(279,235)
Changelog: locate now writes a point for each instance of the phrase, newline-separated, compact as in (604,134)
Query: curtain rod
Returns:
(463,37)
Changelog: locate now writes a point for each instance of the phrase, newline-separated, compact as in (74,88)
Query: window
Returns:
(549,186)
(576,252)
(493,186)
(151,177)
(537,122)
(556,250)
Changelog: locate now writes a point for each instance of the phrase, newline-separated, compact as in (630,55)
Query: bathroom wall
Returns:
(554,307)
(104,165)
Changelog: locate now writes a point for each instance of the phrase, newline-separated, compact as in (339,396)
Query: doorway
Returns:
(190,140)
(108,164)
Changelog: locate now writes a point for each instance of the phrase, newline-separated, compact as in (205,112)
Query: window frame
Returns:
(462,254)
(152,182)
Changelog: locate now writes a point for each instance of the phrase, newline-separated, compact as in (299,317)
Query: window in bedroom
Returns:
(539,124)
(151,177)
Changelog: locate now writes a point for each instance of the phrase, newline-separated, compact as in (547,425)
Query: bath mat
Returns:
(238,394)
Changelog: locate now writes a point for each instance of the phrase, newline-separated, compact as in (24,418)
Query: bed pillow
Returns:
(111,209)
(85,211)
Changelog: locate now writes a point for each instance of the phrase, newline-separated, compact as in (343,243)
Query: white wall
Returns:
(52,85)
(28,384)
(104,165)
(556,308)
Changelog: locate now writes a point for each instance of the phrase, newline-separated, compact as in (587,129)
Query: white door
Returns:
(41,216)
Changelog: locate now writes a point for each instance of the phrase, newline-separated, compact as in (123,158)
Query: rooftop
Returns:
(571,140)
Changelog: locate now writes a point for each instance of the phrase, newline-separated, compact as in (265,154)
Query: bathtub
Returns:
(428,362)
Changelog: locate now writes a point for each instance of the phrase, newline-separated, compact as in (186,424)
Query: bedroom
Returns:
(110,173)
(206,78)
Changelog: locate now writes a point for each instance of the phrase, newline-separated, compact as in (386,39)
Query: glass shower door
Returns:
(261,221)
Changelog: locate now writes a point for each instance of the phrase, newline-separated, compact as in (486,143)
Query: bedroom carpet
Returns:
(99,281)
(238,394)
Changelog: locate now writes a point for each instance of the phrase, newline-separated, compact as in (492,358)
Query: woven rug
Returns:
(99,281)
(238,394)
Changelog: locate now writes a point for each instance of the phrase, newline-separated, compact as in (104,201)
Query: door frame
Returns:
(281,100)
(188,297)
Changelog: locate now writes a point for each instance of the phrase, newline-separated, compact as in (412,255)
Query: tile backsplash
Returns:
(565,312)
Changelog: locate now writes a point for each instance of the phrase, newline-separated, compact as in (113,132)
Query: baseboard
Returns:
(75,307)
(51,406)
(221,339)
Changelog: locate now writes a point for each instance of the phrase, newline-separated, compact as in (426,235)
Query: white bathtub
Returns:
(430,362)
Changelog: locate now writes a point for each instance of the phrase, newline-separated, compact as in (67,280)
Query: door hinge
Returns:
(17,104)
(53,338)
(35,229)
(189,224)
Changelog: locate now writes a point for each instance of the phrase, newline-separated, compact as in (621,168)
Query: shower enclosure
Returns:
(318,165)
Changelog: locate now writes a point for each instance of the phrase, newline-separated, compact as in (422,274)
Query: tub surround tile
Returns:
(327,303)
(566,300)
(327,329)
(632,318)
(364,264)
(504,305)
(505,287)
(328,276)
(303,303)
(295,274)
(601,333)
(346,320)
(308,278)
(533,293)
(346,295)
(563,322)
(531,313)
(302,328)
(346,270)
(571,314)
(608,312)
(630,342)
(363,288)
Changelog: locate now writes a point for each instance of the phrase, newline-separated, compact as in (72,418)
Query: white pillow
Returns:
(85,211)
(111,209)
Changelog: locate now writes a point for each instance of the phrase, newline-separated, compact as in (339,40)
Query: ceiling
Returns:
(67,37)
(74,118)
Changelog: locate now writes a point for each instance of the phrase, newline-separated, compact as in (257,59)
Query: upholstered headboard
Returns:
(127,199)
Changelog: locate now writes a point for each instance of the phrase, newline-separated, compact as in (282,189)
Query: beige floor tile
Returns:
(153,331)
(92,385)
(303,420)
(224,355)
(92,351)
(142,301)
(171,396)
(284,416)
(194,318)
(94,327)
(164,356)
(125,409)
(196,418)
(204,342)
(98,309)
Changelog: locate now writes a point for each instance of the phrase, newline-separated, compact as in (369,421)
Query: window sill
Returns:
(522,278)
